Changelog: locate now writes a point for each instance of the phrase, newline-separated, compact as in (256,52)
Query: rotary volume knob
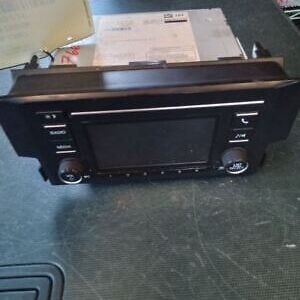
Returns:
(235,161)
(70,171)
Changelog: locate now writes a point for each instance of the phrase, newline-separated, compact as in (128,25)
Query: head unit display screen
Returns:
(151,143)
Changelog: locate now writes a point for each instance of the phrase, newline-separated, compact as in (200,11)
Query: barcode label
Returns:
(176,17)
(168,36)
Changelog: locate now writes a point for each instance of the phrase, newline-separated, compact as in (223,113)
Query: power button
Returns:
(51,116)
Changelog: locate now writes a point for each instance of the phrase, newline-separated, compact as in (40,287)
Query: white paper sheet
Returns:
(26,26)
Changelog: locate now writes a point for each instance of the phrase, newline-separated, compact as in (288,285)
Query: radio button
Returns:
(57,132)
(240,135)
(245,120)
(51,116)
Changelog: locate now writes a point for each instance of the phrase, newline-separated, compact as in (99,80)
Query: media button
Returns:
(63,146)
(245,120)
(66,152)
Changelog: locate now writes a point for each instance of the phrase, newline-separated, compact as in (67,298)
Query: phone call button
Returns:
(245,119)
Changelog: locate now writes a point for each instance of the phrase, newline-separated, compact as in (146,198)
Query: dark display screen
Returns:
(151,143)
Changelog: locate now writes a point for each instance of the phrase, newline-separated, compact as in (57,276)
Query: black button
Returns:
(63,146)
(240,135)
(59,132)
(245,120)
(51,117)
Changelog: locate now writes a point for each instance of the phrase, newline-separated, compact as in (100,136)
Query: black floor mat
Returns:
(31,282)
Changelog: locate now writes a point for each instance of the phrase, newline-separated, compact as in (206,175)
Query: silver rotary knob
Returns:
(235,161)
(70,171)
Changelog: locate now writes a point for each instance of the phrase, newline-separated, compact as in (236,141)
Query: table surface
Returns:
(222,238)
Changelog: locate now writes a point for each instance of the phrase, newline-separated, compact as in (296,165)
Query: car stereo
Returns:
(89,124)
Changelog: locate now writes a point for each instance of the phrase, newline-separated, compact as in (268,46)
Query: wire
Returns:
(48,54)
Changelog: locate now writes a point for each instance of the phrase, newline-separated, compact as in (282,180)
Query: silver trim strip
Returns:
(66,152)
(55,126)
(133,110)
(239,141)
(247,114)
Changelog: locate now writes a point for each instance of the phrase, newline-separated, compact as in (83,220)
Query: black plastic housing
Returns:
(93,95)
